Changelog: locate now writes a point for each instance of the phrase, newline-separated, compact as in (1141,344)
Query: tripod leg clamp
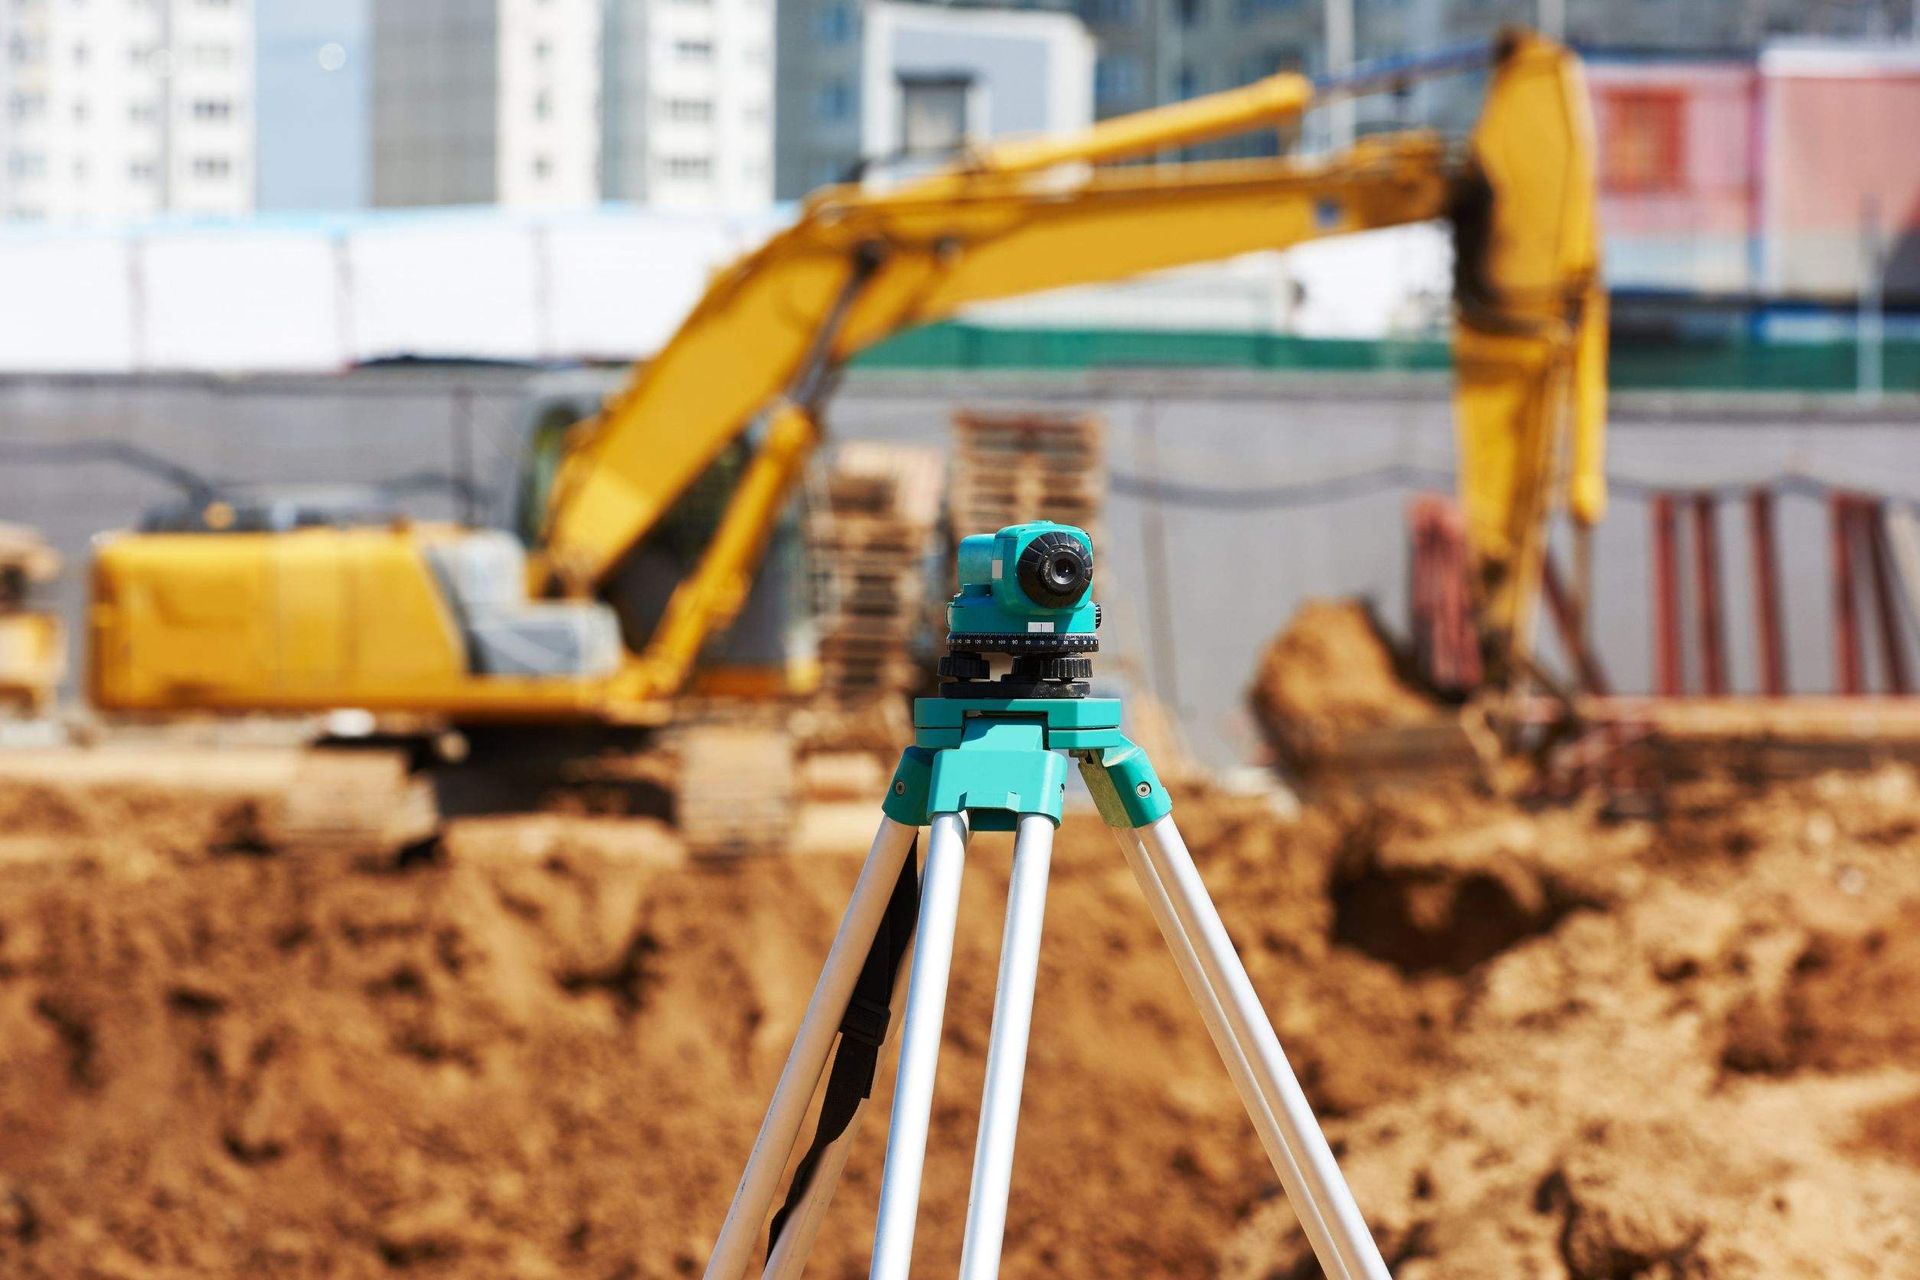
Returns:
(906,801)
(1124,786)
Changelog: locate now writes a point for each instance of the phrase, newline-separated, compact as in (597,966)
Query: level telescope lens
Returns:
(1055,570)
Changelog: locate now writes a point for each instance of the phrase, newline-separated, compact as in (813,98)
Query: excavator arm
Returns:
(858,266)
(1530,338)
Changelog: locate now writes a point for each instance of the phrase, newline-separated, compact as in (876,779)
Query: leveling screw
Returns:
(1144,790)
(900,788)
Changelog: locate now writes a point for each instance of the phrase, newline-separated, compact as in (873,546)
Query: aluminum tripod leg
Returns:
(919,1048)
(753,1200)
(1007,1049)
(1246,1040)
(788,1258)
(1187,961)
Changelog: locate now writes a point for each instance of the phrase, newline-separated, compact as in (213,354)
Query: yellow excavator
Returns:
(477,626)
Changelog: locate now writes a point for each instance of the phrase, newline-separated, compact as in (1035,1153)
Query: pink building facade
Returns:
(1761,176)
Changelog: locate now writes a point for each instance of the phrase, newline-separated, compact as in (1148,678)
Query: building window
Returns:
(1189,82)
(933,114)
(143,171)
(1117,81)
(542,105)
(836,23)
(27,106)
(1244,9)
(1190,11)
(1109,11)
(689,167)
(1642,140)
(542,50)
(543,167)
(144,112)
(80,54)
(693,50)
(213,55)
(212,167)
(833,101)
(27,164)
(689,110)
(212,109)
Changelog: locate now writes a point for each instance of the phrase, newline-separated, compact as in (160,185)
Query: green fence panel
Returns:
(1679,365)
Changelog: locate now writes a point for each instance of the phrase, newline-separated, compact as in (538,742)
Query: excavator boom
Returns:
(913,258)
(858,266)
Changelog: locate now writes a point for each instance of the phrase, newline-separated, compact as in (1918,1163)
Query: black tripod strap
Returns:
(863,1029)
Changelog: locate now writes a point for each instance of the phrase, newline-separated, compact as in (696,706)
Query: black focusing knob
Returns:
(1055,570)
(966,666)
(1051,666)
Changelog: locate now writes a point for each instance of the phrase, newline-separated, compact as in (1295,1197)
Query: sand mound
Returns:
(1546,1046)
(1330,672)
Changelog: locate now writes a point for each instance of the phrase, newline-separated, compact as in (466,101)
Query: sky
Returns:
(315,69)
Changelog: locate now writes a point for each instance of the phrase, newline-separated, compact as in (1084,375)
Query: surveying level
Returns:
(990,754)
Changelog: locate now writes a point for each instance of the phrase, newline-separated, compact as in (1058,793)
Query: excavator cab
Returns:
(767,649)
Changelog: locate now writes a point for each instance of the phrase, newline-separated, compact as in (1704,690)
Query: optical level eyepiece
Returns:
(1055,570)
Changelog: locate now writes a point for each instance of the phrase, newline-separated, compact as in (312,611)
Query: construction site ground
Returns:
(1545,1043)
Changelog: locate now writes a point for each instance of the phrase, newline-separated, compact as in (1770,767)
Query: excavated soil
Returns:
(1545,1045)
(1331,672)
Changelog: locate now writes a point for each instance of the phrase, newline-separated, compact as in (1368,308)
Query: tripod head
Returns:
(1026,591)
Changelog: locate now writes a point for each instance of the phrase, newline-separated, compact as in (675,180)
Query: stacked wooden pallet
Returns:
(868,547)
(1013,467)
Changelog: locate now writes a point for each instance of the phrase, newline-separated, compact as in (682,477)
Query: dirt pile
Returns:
(1702,1065)
(1330,672)
(1545,1046)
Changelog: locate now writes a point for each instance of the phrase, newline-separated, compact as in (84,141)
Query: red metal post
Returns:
(1666,599)
(1446,644)
(1846,622)
(1766,595)
(1706,572)
(1893,658)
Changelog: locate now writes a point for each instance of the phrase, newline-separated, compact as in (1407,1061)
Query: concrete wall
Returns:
(1203,464)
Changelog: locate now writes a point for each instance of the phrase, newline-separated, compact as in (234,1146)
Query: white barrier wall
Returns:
(325,294)
(312,295)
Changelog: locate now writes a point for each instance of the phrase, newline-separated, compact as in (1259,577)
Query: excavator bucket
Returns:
(1530,333)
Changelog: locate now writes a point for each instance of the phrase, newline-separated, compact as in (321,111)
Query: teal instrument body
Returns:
(1033,579)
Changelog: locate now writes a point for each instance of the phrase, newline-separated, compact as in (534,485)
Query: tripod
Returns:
(991,755)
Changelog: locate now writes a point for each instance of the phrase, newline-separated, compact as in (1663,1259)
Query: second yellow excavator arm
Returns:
(858,266)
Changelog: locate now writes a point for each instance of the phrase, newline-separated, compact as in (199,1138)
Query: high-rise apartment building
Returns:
(555,103)
(1155,51)
(124,110)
